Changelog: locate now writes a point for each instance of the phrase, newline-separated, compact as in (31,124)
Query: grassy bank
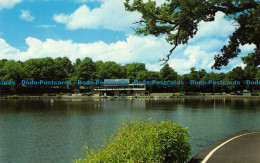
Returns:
(182,93)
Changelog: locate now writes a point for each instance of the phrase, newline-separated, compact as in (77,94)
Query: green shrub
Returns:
(138,141)
(11,97)
(59,94)
(88,93)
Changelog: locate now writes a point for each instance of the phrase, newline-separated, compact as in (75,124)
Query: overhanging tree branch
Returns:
(185,15)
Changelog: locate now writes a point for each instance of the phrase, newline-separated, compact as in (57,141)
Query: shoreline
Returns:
(134,97)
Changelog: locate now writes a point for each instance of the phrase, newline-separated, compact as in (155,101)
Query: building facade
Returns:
(120,87)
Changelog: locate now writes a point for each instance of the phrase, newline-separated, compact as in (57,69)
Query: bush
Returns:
(11,97)
(59,94)
(88,93)
(138,141)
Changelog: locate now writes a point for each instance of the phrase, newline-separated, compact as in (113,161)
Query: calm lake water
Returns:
(56,130)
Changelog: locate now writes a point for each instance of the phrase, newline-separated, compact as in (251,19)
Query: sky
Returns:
(103,30)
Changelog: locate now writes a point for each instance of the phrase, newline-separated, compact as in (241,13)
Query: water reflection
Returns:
(56,130)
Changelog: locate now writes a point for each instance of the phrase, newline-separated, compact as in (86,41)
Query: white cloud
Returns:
(7,51)
(247,48)
(26,15)
(111,15)
(210,44)
(220,27)
(8,3)
(86,1)
(192,56)
(236,62)
(82,1)
(45,26)
(199,53)
(135,49)
(122,51)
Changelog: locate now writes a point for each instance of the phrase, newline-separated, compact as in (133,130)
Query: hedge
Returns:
(137,141)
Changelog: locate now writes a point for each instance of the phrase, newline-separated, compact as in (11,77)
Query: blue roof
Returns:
(117,81)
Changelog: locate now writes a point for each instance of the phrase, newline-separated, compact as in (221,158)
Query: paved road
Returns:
(243,147)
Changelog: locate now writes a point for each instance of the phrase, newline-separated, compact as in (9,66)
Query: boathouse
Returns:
(119,87)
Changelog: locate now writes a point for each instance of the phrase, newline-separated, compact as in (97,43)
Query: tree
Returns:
(40,69)
(32,67)
(2,63)
(47,69)
(167,73)
(142,75)
(108,70)
(133,69)
(187,87)
(238,75)
(152,75)
(63,68)
(197,76)
(86,69)
(250,73)
(12,70)
(74,77)
(258,74)
(179,19)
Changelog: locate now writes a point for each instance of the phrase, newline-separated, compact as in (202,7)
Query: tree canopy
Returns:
(61,69)
(179,20)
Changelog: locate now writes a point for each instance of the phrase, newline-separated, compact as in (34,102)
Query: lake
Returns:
(56,130)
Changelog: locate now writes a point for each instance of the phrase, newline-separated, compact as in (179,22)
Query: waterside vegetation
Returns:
(137,141)
(62,69)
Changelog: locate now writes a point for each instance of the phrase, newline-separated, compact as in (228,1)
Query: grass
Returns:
(179,93)
(158,94)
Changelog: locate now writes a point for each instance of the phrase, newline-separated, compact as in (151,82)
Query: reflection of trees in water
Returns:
(50,106)
(221,103)
(124,104)
(84,106)
(33,127)
(164,104)
(100,105)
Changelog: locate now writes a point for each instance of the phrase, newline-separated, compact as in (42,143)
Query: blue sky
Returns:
(101,30)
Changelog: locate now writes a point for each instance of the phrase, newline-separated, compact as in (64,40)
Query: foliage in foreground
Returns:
(138,141)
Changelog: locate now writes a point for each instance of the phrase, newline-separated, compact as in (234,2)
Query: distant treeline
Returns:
(62,69)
